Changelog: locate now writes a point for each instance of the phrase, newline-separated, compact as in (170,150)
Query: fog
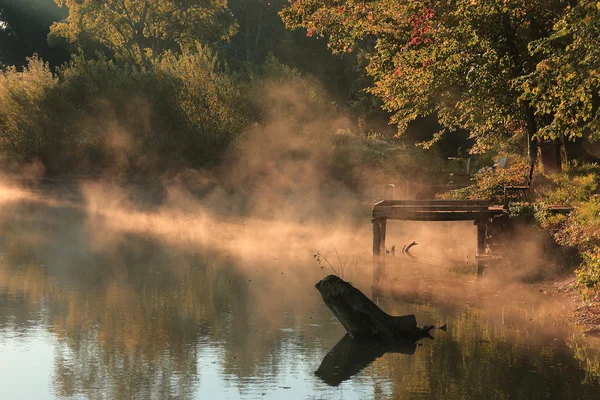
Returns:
(274,197)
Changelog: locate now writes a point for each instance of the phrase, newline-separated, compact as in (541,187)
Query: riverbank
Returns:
(586,314)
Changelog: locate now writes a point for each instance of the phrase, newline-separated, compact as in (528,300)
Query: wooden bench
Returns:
(522,189)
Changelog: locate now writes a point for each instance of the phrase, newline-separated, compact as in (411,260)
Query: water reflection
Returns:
(142,320)
(349,356)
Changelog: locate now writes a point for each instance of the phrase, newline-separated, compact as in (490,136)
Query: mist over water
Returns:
(103,295)
(175,178)
(200,284)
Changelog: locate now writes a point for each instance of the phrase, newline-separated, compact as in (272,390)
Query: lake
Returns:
(107,302)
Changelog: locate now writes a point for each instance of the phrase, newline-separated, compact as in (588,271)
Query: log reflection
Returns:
(350,356)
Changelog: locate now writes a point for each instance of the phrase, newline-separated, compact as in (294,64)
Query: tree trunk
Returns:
(532,146)
(551,156)
(362,318)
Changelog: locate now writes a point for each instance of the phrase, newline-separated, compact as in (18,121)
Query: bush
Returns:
(489,184)
(588,275)
(115,112)
(97,113)
(522,210)
(580,229)
(576,184)
(25,115)
(212,102)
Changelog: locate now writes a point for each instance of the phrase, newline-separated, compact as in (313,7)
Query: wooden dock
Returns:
(436,210)
(483,213)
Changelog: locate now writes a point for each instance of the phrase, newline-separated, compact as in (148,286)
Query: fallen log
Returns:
(362,318)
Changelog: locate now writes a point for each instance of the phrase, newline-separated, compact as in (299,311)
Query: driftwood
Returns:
(407,248)
(349,356)
(362,318)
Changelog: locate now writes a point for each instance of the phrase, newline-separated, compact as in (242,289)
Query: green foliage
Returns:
(565,85)
(141,31)
(24,119)
(356,158)
(588,275)
(262,36)
(461,60)
(580,229)
(522,210)
(285,92)
(576,184)
(212,100)
(94,113)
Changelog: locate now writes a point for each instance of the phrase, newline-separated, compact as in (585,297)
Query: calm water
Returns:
(89,313)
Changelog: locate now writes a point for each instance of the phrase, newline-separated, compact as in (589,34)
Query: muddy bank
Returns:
(585,313)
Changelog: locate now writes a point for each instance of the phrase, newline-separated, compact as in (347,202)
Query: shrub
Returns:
(576,186)
(97,113)
(580,229)
(588,275)
(522,210)
(24,111)
(577,183)
(211,100)
(489,184)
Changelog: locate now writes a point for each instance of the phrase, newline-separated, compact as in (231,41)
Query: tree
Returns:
(260,29)
(24,27)
(142,31)
(261,32)
(565,86)
(461,60)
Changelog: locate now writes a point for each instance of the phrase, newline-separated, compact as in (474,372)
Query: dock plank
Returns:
(434,203)
(436,210)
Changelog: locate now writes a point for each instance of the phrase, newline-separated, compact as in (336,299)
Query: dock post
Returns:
(383,228)
(379,231)
(481,228)
(481,236)
(391,191)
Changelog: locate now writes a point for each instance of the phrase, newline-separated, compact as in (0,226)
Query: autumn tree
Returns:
(460,60)
(565,86)
(141,31)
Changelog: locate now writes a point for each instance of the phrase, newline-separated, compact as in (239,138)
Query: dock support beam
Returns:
(379,231)
(481,236)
